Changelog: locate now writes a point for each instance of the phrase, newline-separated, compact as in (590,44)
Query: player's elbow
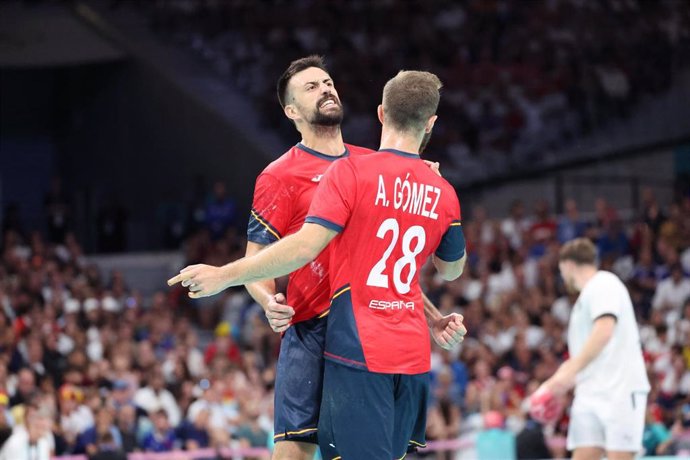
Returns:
(306,253)
(310,249)
(450,270)
(451,273)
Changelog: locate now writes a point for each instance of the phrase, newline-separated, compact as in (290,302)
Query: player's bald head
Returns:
(410,99)
(293,69)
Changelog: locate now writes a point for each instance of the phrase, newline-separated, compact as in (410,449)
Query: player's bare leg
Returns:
(588,453)
(619,455)
(293,450)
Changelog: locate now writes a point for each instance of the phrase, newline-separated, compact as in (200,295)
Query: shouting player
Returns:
(606,366)
(390,212)
(282,197)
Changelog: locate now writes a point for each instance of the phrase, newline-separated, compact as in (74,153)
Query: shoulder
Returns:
(281,167)
(605,280)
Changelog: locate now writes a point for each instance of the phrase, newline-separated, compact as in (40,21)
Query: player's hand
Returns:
(544,405)
(279,314)
(435,166)
(448,331)
(202,280)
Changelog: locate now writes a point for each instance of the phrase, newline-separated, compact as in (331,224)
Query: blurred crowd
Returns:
(88,365)
(521,78)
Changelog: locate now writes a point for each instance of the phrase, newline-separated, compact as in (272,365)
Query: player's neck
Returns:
(585,274)
(324,139)
(391,139)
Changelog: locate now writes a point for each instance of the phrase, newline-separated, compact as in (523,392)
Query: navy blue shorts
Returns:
(299,381)
(366,415)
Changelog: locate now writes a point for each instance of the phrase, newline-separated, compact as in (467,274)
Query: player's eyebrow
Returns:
(315,82)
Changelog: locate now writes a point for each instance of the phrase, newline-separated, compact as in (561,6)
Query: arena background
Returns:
(131,133)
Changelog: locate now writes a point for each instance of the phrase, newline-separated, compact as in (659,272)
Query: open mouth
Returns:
(330,102)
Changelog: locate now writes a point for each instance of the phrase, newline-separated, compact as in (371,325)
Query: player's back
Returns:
(399,212)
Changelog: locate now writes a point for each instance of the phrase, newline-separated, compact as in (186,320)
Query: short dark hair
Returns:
(296,67)
(580,250)
(411,98)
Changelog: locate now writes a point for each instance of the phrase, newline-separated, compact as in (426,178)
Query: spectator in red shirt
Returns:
(223,345)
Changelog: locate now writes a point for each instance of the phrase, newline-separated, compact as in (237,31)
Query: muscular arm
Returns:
(450,270)
(281,258)
(261,291)
(278,313)
(564,378)
(431,313)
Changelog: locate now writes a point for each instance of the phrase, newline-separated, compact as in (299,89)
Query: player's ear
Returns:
(379,112)
(291,112)
(430,124)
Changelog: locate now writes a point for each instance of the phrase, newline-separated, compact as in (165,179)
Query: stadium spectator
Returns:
(75,417)
(88,441)
(162,438)
(127,424)
(220,211)
(154,395)
(443,423)
(495,442)
(107,449)
(33,438)
(26,387)
(6,419)
(530,442)
(223,346)
(671,293)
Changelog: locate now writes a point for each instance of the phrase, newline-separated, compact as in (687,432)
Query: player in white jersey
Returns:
(605,365)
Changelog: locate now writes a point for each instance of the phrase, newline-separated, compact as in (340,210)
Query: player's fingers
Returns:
(194,295)
(458,329)
(447,338)
(455,336)
(188,267)
(196,288)
(279,321)
(278,314)
(280,297)
(454,326)
(174,280)
(281,328)
(282,311)
(458,338)
(188,282)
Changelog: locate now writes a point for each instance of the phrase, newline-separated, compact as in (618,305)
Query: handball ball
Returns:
(544,406)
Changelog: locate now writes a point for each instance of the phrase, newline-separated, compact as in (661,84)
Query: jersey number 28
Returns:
(416,233)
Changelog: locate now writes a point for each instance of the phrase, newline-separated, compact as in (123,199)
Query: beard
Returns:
(334,118)
(570,286)
(425,141)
